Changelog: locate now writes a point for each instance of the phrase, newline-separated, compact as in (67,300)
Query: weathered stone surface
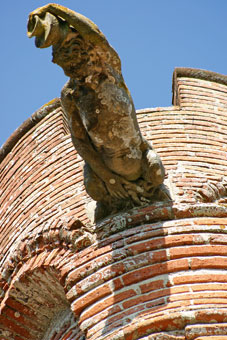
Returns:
(122,169)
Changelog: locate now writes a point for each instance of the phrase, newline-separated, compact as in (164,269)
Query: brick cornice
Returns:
(71,234)
(35,118)
(66,233)
(186,72)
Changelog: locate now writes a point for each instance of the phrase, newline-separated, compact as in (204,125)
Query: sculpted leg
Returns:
(94,186)
(154,174)
(152,168)
(106,204)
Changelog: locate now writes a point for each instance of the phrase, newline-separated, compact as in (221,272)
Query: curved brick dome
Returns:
(154,272)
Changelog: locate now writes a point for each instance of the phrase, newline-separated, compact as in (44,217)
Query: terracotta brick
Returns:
(211,315)
(198,251)
(153,285)
(212,337)
(202,297)
(99,277)
(203,330)
(159,256)
(209,262)
(165,337)
(90,298)
(102,315)
(90,267)
(109,301)
(212,286)
(118,284)
(21,308)
(15,328)
(196,278)
(145,298)
(157,269)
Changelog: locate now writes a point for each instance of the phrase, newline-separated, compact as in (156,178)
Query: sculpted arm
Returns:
(83,25)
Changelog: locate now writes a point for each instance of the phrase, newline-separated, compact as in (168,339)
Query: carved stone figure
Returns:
(121,168)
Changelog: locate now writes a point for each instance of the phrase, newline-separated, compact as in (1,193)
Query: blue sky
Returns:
(152,37)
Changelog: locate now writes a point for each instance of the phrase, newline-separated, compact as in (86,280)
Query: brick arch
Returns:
(33,299)
(34,303)
(61,235)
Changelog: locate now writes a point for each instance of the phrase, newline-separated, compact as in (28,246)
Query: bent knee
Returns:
(94,186)
(153,169)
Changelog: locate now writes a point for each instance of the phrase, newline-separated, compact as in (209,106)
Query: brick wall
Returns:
(154,272)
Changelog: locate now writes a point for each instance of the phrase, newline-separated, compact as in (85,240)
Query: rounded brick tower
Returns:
(155,272)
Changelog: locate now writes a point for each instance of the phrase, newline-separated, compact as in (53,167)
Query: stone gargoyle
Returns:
(121,168)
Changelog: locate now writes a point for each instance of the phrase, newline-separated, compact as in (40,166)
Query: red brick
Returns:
(21,319)
(212,330)
(146,298)
(20,307)
(198,251)
(141,233)
(153,285)
(90,267)
(209,262)
(118,284)
(15,328)
(211,301)
(51,257)
(127,313)
(159,256)
(144,327)
(153,270)
(110,301)
(99,277)
(164,307)
(163,336)
(66,336)
(103,315)
(195,278)
(214,337)
(211,315)
(90,298)
(168,241)
(177,290)
(202,296)
(146,246)
(212,286)
(218,239)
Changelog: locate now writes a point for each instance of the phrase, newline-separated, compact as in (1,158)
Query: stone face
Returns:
(152,272)
(122,170)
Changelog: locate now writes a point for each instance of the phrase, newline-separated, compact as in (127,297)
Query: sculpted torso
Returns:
(113,132)
(120,164)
